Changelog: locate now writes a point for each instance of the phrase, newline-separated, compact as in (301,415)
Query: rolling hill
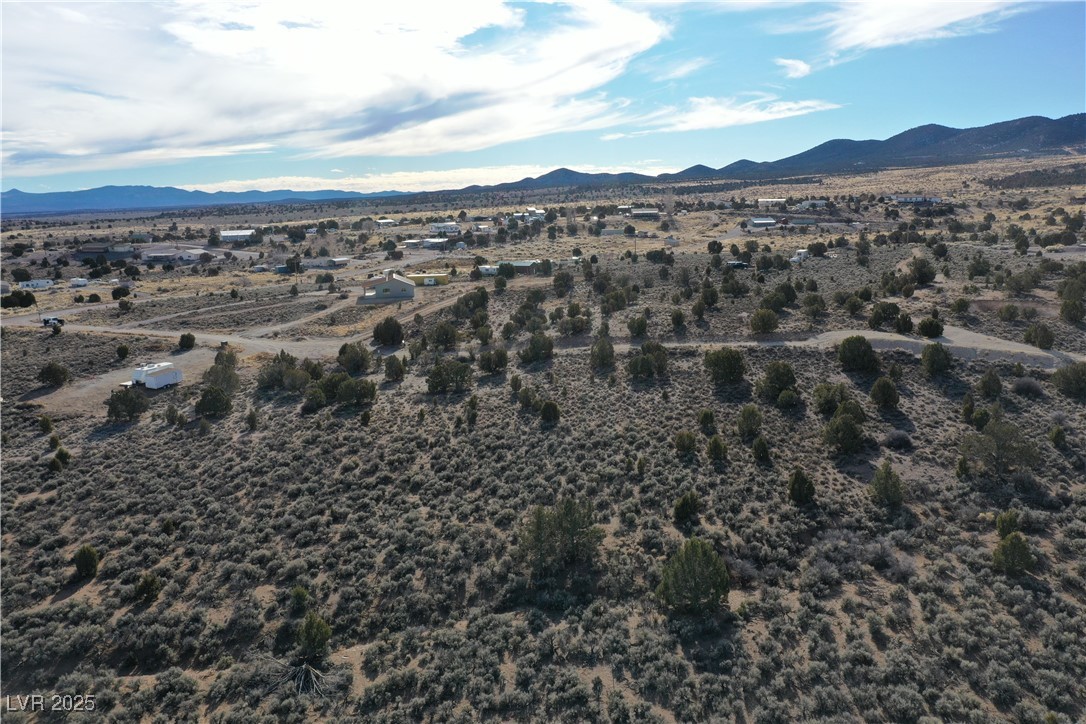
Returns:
(116,198)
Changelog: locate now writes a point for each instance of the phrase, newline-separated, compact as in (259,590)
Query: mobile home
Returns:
(156,375)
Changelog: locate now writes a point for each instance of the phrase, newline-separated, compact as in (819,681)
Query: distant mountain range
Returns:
(116,198)
(929,145)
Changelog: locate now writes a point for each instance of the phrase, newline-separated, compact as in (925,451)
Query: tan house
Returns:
(389,287)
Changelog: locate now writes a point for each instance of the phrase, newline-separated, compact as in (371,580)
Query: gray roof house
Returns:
(389,287)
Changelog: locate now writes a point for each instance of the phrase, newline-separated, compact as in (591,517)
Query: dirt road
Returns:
(963,343)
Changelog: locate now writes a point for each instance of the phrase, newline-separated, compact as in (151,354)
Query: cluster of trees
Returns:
(540,348)
(650,361)
(856,355)
(725,366)
(556,540)
(843,431)
(448,375)
(1012,554)
(388,332)
(778,385)
(572,320)
(18,299)
(126,405)
(221,380)
(284,372)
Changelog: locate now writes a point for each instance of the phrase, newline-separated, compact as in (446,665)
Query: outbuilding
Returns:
(522,266)
(236,235)
(423,279)
(445,227)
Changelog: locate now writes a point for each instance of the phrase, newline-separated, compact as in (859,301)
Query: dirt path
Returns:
(963,343)
(275,329)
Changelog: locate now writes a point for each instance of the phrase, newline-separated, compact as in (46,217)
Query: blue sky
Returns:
(427,95)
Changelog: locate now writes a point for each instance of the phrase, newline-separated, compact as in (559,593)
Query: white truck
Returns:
(156,375)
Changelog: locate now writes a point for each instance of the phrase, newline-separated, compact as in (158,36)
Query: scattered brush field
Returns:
(400,523)
(542,507)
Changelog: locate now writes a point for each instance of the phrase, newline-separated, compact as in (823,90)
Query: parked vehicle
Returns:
(52,322)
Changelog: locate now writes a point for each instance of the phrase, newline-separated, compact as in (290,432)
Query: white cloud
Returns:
(96,86)
(681,70)
(710,113)
(854,28)
(793,68)
(417,180)
(863,26)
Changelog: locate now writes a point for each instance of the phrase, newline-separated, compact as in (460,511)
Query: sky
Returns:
(415,95)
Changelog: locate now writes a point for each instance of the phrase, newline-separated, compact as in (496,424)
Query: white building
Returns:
(236,235)
(813,204)
(36,284)
(916,199)
(437,243)
(647,214)
(768,203)
(445,227)
(159,257)
(763,223)
(77,282)
(385,223)
(193,255)
(482,229)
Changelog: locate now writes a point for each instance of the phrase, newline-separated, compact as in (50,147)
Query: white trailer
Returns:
(156,375)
